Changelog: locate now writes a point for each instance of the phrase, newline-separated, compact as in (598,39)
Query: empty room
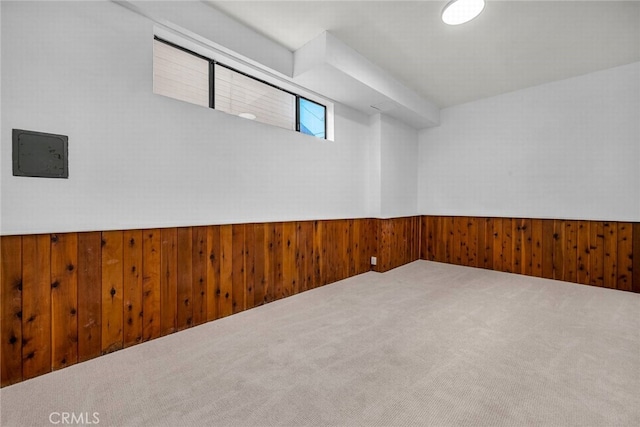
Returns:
(320,213)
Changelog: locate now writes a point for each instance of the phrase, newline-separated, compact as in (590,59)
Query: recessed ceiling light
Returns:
(460,11)
(247,116)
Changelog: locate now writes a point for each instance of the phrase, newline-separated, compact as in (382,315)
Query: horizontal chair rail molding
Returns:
(70,297)
(598,253)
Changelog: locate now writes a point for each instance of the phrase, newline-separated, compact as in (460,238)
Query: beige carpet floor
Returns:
(424,344)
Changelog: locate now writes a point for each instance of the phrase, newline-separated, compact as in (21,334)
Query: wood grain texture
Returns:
(64,298)
(597,253)
(184,313)
(132,287)
(151,284)
(69,297)
(213,272)
(624,252)
(260,253)
(398,242)
(199,274)
(89,295)
(168,280)
(548,240)
(537,249)
(11,305)
(249,266)
(584,253)
(289,254)
(238,278)
(635,287)
(112,291)
(225,302)
(610,231)
(36,304)
(558,250)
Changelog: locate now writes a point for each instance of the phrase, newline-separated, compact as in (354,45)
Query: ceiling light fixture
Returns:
(247,116)
(460,11)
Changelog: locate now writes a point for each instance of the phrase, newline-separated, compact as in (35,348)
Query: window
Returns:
(184,75)
(180,75)
(238,94)
(312,118)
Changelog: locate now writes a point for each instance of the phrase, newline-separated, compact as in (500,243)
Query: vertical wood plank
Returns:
(199,274)
(185,278)
(353,246)
(214,262)
(537,253)
(289,276)
(270,261)
(305,243)
(424,235)
(260,262)
(441,229)
(225,307)
(168,280)
(367,242)
(151,284)
(498,257)
(571,251)
(610,254)
(472,241)
(456,249)
(112,291)
(517,236)
(64,299)
(132,283)
(507,245)
(36,305)
(625,256)
(489,242)
(526,263)
(558,249)
(345,251)
(276,259)
(249,265)
(450,252)
(482,243)
(548,244)
(238,278)
(584,252)
(11,295)
(596,253)
(318,254)
(89,295)
(635,287)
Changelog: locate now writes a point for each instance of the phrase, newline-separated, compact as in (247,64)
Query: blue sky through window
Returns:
(312,118)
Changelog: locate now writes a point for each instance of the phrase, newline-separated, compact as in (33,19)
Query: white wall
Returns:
(399,169)
(141,160)
(568,149)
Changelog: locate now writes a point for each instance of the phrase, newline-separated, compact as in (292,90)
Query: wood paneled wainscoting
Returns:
(70,297)
(598,253)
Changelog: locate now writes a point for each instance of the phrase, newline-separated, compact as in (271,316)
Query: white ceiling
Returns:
(511,45)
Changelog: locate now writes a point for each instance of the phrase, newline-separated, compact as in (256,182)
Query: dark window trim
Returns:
(181,48)
(299,97)
(213,63)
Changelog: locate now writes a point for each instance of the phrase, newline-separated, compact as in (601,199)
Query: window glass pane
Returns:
(180,75)
(312,118)
(238,94)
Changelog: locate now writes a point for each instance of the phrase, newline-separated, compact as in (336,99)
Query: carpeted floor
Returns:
(424,344)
